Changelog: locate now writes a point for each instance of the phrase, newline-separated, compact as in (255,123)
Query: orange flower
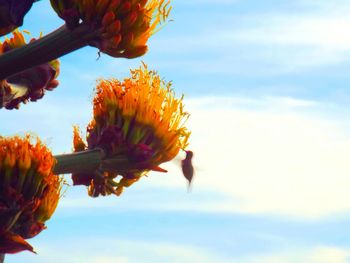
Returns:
(120,28)
(139,124)
(29,84)
(29,191)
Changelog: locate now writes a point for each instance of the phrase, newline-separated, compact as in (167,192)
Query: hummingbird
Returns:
(187,167)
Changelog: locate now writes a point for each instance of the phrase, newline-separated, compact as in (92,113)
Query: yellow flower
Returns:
(139,124)
(30,84)
(29,191)
(119,28)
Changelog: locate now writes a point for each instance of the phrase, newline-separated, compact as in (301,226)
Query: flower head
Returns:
(119,28)
(30,84)
(29,191)
(12,13)
(139,124)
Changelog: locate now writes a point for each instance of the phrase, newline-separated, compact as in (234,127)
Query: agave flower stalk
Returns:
(119,28)
(40,51)
(137,125)
(78,162)
(30,84)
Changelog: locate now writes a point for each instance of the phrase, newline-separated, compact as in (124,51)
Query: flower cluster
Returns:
(139,124)
(30,84)
(29,191)
(119,28)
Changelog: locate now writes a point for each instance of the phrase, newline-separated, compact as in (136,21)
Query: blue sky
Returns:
(267,86)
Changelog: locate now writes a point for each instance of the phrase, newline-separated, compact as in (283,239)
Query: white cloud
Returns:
(273,159)
(322,254)
(275,155)
(212,2)
(275,42)
(330,254)
(329,33)
(315,31)
(108,250)
(300,41)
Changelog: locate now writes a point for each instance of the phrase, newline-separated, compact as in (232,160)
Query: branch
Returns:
(85,161)
(52,46)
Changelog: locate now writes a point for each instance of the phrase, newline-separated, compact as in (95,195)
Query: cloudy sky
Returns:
(267,86)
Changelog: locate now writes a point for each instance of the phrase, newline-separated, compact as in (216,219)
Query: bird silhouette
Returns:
(187,167)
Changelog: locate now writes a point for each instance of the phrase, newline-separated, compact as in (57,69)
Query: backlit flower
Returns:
(139,124)
(119,28)
(30,84)
(29,191)
(12,13)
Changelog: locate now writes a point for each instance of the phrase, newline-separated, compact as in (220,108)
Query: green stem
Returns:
(85,161)
(52,46)
(2,258)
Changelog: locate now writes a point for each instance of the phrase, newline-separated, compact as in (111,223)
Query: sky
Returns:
(267,86)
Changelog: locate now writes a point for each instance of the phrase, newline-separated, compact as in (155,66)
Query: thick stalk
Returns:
(52,46)
(2,258)
(85,161)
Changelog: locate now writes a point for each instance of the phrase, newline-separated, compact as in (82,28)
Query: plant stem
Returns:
(2,258)
(52,46)
(85,161)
